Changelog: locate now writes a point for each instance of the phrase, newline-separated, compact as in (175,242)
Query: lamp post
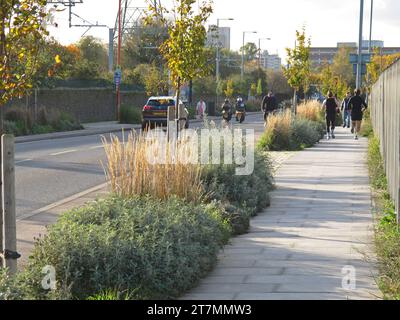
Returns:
(242,68)
(218,44)
(370,27)
(259,49)
(359,62)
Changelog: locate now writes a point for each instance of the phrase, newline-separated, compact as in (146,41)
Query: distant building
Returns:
(321,55)
(271,61)
(219,37)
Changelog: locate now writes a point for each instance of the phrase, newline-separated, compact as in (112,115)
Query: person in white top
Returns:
(201,109)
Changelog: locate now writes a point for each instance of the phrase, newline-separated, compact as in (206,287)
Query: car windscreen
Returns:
(161,103)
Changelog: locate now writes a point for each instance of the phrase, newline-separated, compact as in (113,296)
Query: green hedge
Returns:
(142,247)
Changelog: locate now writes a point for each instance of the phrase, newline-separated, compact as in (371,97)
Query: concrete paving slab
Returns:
(319,222)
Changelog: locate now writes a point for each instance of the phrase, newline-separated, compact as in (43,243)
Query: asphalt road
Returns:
(51,170)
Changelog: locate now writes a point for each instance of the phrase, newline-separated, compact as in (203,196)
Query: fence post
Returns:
(10,254)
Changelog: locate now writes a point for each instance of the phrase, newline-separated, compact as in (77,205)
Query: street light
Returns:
(259,49)
(359,62)
(217,64)
(370,27)
(242,68)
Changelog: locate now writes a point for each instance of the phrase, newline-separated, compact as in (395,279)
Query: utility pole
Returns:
(119,56)
(110,49)
(359,63)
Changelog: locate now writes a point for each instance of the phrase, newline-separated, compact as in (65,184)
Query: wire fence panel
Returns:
(385,113)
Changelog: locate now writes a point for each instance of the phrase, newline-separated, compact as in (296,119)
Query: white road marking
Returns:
(96,147)
(21,161)
(63,152)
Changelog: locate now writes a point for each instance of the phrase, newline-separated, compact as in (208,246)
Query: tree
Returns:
(141,45)
(278,84)
(378,64)
(253,90)
(21,30)
(93,50)
(229,91)
(184,50)
(299,67)
(341,66)
(250,51)
(156,83)
(205,87)
(260,89)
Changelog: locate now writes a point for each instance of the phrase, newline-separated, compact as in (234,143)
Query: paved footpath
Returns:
(319,222)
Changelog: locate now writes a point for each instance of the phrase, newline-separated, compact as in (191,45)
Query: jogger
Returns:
(356,105)
(331,109)
(346,111)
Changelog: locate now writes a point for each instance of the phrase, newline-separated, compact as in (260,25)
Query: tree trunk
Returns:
(178,96)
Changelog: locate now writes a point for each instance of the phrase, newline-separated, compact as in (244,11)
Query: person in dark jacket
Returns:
(346,111)
(331,108)
(357,106)
(269,105)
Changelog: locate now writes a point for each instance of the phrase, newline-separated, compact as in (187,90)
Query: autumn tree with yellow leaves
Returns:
(22,27)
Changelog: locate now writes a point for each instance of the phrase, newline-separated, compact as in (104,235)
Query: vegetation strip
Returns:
(387,234)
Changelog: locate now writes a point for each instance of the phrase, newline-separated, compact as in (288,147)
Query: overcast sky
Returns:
(327,21)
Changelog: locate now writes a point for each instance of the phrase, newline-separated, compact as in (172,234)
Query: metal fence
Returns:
(385,113)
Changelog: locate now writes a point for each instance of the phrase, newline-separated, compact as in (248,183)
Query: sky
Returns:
(327,21)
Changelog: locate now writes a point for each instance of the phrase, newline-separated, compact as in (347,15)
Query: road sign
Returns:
(366,58)
(117,77)
(363,69)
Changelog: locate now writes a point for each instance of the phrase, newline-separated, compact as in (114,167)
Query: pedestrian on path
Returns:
(331,108)
(346,111)
(269,105)
(201,109)
(357,106)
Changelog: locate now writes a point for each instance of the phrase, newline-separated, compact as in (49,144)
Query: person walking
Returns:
(201,109)
(331,108)
(346,111)
(357,106)
(269,105)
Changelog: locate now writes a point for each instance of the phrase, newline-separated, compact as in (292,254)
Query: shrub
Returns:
(305,133)
(311,110)
(366,128)
(148,248)
(19,122)
(253,106)
(131,173)
(375,165)
(284,132)
(277,134)
(130,115)
(40,129)
(250,193)
(15,128)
